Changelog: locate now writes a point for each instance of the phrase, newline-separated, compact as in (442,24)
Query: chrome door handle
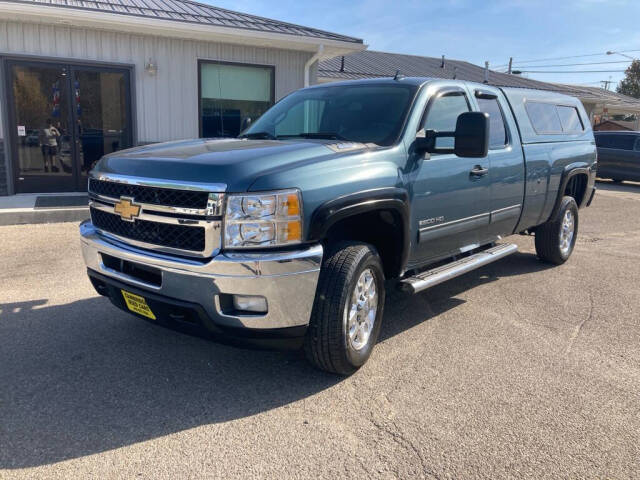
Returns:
(478,171)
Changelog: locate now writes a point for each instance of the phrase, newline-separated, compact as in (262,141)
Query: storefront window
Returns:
(231,96)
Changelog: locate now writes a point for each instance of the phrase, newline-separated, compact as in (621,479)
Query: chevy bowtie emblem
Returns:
(127,209)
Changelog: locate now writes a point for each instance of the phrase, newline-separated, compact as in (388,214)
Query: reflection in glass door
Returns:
(42,140)
(101,114)
(63,119)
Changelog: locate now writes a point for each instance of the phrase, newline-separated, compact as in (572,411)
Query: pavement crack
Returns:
(401,440)
(576,331)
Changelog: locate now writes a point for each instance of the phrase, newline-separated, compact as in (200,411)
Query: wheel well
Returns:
(381,228)
(577,187)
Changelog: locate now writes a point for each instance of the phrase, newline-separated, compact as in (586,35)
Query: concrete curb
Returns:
(21,216)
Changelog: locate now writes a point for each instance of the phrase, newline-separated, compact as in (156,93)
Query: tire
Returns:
(556,238)
(328,344)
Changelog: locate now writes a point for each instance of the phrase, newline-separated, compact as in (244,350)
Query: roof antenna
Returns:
(398,75)
(442,64)
(342,64)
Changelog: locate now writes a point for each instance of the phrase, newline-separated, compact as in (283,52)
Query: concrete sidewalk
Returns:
(43,208)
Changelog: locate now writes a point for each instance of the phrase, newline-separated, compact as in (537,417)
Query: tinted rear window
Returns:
(544,117)
(570,119)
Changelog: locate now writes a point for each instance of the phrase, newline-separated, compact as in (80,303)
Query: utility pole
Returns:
(510,64)
(486,72)
(605,84)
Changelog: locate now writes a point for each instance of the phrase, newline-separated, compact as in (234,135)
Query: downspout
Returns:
(310,62)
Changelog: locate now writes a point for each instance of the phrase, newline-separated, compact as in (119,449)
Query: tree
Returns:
(630,84)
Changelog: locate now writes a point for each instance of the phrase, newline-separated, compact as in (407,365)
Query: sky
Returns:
(480,30)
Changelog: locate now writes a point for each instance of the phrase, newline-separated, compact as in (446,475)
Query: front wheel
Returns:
(347,312)
(556,238)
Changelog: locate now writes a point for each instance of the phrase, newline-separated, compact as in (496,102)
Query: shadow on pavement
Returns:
(83,378)
(404,311)
(630,187)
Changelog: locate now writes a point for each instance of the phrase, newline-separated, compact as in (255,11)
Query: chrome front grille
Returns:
(169,197)
(181,219)
(156,233)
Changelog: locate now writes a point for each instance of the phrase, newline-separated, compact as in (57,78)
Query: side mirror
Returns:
(424,143)
(471,138)
(472,135)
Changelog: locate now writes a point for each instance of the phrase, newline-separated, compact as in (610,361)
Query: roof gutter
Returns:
(136,24)
(310,62)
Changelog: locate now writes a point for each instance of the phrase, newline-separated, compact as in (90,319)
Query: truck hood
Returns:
(236,163)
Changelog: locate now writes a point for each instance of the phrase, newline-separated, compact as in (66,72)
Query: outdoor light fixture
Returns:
(151,68)
(609,52)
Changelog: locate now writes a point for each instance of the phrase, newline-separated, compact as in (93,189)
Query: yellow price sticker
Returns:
(137,304)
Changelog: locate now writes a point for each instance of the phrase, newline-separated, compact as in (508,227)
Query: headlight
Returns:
(263,220)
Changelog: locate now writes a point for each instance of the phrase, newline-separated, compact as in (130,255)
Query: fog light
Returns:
(247,303)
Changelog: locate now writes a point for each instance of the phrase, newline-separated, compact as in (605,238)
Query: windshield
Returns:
(357,113)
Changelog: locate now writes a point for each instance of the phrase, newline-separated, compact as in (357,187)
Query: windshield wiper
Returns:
(319,135)
(259,135)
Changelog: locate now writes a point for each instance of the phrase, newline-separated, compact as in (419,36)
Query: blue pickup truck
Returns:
(288,235)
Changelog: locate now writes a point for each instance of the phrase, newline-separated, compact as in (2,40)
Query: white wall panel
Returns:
(167,103)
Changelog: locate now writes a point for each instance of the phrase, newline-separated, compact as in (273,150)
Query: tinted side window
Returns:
(497,129)
(570,119)
(622,142)
(544,117)
(443,115)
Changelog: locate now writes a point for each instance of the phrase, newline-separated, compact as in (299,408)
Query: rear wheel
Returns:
(347,313)
(556,238)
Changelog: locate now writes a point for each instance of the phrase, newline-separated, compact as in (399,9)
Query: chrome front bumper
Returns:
(287,280)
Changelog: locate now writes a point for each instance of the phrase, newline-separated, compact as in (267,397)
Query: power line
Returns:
(568,71)
(569,57)
(571,64)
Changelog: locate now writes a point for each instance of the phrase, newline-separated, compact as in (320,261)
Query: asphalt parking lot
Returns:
(514,370)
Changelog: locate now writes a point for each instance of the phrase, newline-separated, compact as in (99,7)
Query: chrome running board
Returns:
(435,276)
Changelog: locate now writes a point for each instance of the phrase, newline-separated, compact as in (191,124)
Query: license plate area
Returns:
(142,273)
(137,304)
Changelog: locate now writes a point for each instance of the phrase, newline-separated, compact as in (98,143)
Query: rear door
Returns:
(451,194)
(616,155)
(506,162)
(633,167)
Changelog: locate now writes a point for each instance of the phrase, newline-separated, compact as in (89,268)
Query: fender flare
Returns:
(569,172)
(389,198)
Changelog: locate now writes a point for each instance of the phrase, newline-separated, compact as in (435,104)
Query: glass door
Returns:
(63,119)
(101,114)
(39,133)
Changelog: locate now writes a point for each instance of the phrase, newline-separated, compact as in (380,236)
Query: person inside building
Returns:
(50,147)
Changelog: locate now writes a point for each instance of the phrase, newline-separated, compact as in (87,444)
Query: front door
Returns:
(450,193)
(62,119)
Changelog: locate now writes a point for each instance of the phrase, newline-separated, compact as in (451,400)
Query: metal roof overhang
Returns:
(52,15)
